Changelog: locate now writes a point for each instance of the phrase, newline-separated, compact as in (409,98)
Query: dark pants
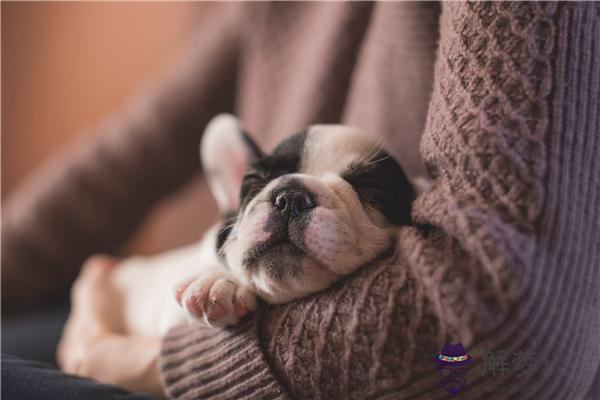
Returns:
(32,380)
(34,336)
(33,373)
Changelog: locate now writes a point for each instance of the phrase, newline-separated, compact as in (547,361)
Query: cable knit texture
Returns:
(504,253)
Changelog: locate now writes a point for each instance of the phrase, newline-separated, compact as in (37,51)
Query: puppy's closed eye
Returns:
(381,184)
(365,182)
(252,184)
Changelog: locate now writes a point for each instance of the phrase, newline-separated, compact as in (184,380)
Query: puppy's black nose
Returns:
(293,202)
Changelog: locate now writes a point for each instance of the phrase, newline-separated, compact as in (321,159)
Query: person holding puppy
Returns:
(504,103)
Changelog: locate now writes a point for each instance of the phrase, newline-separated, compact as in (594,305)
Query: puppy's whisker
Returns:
(227,226)
(380,159)
(232,219)
(367,159)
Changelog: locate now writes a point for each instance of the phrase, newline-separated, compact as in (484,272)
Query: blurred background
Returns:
(67,66)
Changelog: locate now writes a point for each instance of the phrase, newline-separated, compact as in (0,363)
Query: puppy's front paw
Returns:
(214,300)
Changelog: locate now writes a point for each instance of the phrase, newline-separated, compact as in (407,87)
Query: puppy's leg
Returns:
(215,299)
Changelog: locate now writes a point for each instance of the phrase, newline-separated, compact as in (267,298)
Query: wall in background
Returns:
(67,66)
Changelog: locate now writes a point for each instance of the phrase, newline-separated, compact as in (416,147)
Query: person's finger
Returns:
(98,264)
(93,271)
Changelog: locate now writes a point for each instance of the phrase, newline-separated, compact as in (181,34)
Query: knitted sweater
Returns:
(504,255)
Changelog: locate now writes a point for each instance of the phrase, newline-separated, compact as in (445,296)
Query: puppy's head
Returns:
(325,201)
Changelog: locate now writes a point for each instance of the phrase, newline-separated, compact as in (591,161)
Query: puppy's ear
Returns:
(226,153)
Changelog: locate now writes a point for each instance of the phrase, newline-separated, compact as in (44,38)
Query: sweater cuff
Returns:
(201,362)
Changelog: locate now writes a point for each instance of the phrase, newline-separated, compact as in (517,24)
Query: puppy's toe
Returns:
(193,298)
(244,302)
(220,303)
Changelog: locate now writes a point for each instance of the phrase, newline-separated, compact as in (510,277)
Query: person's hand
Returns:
(86,325)
(90,347)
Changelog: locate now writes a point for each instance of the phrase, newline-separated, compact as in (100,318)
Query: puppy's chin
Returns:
(282,272)
(285,272)
(310,254)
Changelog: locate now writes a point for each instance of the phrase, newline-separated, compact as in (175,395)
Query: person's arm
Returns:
(91,198)
(501,257)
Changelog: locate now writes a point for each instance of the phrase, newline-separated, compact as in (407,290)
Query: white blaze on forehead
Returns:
(332,148)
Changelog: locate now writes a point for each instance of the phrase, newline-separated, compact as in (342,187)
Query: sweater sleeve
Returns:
(92,197)
(503,256)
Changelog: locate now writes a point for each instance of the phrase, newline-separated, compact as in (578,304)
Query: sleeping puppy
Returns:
(325,201)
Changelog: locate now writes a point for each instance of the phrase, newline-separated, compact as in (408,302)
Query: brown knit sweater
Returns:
(505,252)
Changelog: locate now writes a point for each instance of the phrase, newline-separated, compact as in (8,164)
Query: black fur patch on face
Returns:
(285,159)
(256,151)
(382,185)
